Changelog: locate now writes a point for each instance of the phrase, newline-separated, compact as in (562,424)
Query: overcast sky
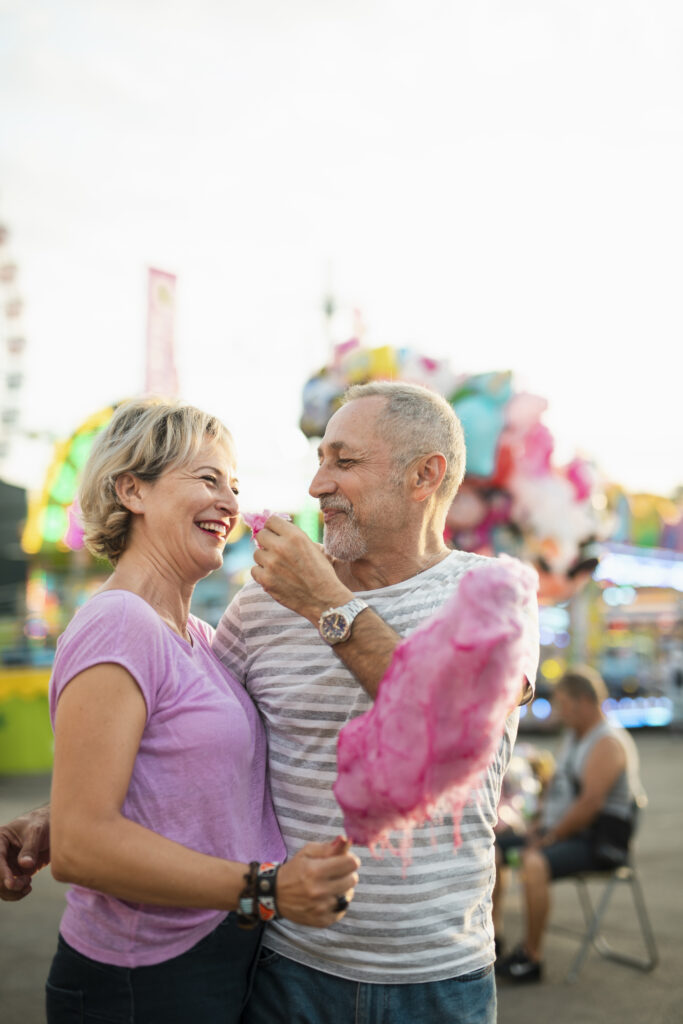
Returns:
(497,182)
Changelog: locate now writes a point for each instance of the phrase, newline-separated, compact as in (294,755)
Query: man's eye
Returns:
(344,463)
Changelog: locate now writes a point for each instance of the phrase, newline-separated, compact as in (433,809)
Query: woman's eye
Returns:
(211,479)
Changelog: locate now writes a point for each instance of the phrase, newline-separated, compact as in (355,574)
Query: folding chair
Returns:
(594,915)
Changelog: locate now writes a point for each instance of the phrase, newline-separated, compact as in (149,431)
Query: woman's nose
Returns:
(228,500)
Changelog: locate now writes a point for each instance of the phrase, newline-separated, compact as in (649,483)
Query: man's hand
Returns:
(24,849)
(298,574)
(295,571)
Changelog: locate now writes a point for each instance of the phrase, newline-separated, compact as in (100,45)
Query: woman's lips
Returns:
(216,528)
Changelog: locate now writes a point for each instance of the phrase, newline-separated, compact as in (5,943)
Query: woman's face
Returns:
(189,511)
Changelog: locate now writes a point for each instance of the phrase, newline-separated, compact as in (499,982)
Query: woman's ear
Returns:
(428,473)
(129,491)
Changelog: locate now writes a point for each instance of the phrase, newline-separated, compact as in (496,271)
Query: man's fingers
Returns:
(14,887)
(29,853)
(14,895)
(279,526)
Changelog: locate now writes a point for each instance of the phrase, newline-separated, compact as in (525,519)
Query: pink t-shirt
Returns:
(199,778)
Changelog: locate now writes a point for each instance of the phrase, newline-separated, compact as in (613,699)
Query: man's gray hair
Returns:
(416,421)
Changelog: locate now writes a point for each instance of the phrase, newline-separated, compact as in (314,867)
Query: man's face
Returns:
(568,709)
(363,506)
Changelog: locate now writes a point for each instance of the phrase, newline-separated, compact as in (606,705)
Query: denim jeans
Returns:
(286,992)
(208,984)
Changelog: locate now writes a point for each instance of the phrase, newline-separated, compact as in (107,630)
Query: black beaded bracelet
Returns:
(248,906)
(266,883)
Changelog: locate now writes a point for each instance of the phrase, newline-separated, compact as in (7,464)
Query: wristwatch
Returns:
(334,625)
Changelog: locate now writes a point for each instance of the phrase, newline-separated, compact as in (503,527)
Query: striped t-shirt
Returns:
(425,922)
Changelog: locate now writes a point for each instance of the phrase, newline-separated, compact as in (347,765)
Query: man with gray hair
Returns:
(417,942)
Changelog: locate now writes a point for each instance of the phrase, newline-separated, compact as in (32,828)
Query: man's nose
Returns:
(321,483)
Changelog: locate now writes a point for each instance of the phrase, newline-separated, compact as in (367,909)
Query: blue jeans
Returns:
(286,992)
(207,985)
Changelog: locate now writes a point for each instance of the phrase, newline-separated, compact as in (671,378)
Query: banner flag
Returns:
(161,376)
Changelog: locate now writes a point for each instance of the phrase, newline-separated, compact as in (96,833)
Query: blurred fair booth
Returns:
(610,564)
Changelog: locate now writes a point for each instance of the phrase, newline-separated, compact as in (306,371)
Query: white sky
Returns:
(497,182)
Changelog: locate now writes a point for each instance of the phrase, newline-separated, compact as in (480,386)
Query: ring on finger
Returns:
(341,905)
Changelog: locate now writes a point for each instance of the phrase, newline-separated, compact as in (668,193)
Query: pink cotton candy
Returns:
(257,520)
(440,710)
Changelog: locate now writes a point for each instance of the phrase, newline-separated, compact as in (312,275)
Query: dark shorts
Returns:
(209,984)
(568,857)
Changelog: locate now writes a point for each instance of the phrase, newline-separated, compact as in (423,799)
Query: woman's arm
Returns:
(99,723)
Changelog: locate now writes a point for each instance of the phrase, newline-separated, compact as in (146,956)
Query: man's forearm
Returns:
(369,650)
(576,818)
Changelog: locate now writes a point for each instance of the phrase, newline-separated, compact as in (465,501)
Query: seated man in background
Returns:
(586,817)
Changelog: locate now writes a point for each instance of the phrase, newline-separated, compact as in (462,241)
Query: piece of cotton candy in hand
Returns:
(257,520)
(440,710)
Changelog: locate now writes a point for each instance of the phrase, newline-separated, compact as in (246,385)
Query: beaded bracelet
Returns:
(257,901)
(267,878)
(247,909)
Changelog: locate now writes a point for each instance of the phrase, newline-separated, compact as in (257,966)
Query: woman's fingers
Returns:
(311,883)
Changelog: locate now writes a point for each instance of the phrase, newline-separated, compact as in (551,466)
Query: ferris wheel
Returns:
(12,346)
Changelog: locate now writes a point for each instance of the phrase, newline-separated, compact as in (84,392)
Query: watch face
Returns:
(335,627)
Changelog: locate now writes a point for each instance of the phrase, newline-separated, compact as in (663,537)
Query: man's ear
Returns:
(427,474)
(129,491)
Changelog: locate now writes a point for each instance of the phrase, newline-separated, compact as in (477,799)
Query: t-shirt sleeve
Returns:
(114,628)
(229,644)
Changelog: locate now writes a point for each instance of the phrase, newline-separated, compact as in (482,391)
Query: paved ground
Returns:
(605,993)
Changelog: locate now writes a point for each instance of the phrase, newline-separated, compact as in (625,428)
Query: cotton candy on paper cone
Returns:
(440,711)
(257,520)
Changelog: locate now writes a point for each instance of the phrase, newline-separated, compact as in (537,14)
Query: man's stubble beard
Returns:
(345,540)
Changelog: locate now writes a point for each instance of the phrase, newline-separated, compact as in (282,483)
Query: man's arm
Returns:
(24,849)
(604,765)
(297,574)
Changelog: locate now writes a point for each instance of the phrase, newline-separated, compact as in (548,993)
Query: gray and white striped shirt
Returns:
(430,920)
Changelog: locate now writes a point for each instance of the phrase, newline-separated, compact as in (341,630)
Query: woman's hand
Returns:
(310,884)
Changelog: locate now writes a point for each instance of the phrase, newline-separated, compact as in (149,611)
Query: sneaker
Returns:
(519,966)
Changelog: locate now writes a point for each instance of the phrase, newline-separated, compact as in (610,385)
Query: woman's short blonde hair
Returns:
(145,437)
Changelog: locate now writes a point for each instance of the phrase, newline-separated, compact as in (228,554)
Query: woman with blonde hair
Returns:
(161,817)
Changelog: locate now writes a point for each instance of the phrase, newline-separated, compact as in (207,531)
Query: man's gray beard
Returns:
(345,541)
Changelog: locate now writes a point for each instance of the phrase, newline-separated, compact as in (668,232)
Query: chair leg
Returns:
(593,918)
